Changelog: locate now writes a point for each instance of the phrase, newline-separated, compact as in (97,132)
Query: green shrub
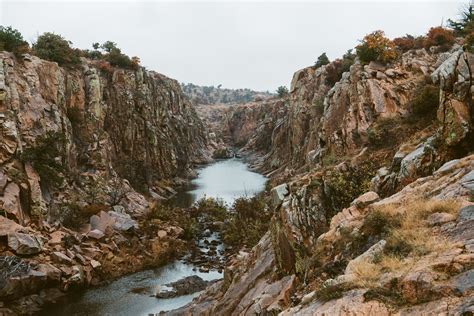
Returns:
(46,158)
(376,47)
(379,223)
(426,101)
(56,48)
(248,221)
(322,60)
(11,40)
(382,133)
(332,292)
(178,216)
(73,216)
(214,208)
(282,91)
(343,187)
(338,67)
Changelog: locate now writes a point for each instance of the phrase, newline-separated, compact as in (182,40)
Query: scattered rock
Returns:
(187,285)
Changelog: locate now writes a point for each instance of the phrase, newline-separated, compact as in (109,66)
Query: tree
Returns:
(56,48)
(95,46)
(282,91)
(11,40)
(376,47)
(465,24)
(109,46)
(322,60)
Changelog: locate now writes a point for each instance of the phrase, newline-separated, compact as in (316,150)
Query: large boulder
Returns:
(24,244)
(279,193)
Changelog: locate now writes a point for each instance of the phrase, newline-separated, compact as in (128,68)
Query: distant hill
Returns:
(216,95)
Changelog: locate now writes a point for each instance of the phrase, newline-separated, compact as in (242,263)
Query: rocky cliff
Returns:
(373,214)
(82,150)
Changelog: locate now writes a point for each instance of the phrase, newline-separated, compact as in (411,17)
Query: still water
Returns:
(131,295)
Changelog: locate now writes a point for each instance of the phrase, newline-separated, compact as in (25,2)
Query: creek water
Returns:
(132,294)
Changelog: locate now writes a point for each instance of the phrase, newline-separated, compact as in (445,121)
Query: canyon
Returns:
(355,168)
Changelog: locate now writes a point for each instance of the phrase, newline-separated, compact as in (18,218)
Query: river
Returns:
(132,294)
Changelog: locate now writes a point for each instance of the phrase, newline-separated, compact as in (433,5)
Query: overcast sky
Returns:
(256,45)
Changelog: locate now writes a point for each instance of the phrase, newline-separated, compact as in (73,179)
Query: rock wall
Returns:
(323,121)
(133,124)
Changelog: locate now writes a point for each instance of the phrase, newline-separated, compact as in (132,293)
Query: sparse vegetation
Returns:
(407,236)
(376,47)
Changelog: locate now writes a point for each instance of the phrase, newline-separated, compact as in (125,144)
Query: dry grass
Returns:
(411,239)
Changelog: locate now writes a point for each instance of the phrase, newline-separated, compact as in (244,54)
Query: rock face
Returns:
(81,150)
(134,124)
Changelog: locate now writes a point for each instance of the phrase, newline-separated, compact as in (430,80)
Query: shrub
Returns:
(382,133)
(282,91)
(408,42)
(439,36)
(56,48)
(178,216)
(248,221)
(376,47)
(426,101)
(344,187)
(338,67)
(72,215)
(469,43)
(214,208)
(46,158)
(11,40)
(327,293)
(322,60)
(378,223)
(397,245)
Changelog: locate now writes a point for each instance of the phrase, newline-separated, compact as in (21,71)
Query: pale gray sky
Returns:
(256,45)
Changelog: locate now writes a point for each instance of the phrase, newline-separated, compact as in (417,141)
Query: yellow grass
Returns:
(413,230)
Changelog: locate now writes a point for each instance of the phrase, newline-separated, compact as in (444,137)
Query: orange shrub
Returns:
(408,42)
(439,36)
(376,47)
